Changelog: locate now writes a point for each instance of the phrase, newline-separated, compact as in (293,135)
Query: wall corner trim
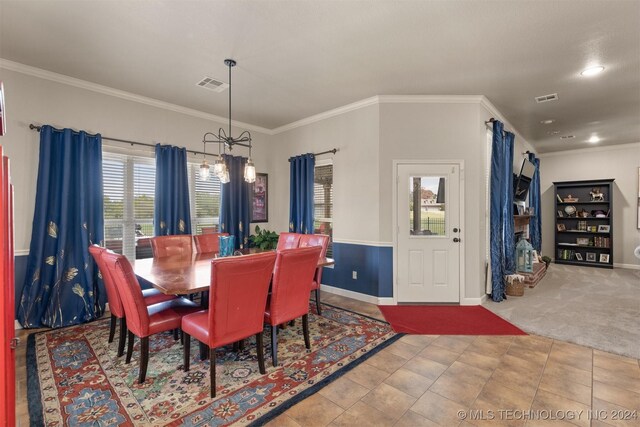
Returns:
(105,90)
(353,295)
(629,266)
(473,301)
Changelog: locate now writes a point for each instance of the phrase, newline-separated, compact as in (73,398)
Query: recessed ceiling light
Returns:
(547,122)
(594,139)
(567,136)
(592,71)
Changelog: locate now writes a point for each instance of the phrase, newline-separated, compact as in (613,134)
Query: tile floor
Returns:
(439,380)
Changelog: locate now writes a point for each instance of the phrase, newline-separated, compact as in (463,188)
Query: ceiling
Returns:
(300,58)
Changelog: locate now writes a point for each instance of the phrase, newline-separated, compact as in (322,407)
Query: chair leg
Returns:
(260,351)
(129,347)
(318,309)
(204,351)
(241,345)
(144,359)
(186,351)
(305,330)
(123,336)
(112,329)
(274,344)
(212,369)
(175,334)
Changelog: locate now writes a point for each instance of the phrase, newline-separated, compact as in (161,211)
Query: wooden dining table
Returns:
(184,275)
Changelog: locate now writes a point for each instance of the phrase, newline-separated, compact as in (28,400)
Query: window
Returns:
(323,202)
(129,190)
(205,200)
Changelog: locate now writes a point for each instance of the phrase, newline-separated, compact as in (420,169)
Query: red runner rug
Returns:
(446,320)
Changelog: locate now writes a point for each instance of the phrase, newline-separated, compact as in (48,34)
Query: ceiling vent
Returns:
(546,98)
(213,84)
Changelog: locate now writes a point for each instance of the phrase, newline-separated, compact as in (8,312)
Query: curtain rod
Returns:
(126,141)
(333,151)
(491,120)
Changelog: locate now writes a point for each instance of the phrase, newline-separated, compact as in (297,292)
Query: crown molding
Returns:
(327,114)
(484,101)
(430,99)
(591,149)
(383,99)
(105,90)
(374,100)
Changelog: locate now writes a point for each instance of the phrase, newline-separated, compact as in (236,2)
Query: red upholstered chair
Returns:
(288,240)
(151,296)
(237,298)
(289,298)
(322,241)
(142,320)
(164,246)
(208,242)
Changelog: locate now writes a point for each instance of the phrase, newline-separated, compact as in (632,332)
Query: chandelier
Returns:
(224,141)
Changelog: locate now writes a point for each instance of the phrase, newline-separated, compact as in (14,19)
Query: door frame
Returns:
(394,219)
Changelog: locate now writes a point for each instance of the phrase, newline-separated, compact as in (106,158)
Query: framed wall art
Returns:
(260,198)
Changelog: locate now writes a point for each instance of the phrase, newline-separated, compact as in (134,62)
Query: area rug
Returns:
(446,320)
(75,378)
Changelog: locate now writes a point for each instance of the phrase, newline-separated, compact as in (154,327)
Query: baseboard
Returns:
(629,266)
(354,295)
(473,301)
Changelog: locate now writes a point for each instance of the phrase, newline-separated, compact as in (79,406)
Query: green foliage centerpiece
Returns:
(264,239)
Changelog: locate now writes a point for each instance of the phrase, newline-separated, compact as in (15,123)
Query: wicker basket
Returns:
(515,289)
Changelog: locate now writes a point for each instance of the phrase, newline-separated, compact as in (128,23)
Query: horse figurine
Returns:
(596,195)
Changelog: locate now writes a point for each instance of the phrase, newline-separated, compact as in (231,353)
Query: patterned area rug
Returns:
(75,379)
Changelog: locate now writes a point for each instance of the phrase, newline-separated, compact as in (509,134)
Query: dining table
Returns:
(186,274)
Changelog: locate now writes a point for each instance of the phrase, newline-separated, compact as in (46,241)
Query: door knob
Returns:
(455,230)
(455,239)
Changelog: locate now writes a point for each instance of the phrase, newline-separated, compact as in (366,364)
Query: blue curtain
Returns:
(496,245)
(301,193)
(535,224)
(171,214)
(502,243)
(62,285)
(235,206)
(507,206)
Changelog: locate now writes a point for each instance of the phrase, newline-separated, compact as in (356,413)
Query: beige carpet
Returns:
(594,307)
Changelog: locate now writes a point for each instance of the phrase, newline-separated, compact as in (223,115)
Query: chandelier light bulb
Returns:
(224,178)
(218,167)
(204,170)
(250,172)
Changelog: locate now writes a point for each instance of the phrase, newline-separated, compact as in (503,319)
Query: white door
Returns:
(429,235)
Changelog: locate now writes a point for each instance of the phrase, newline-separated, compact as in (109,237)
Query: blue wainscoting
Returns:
(374,265)
(20,263)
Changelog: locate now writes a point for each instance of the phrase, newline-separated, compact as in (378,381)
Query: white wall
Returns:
(437,131)
(30,99)
(620,162)
(355,173)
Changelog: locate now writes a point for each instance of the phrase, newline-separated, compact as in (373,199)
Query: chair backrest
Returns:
(292,283)
(238,296)
(321,240)
(130,293)
(288,240)
(115,303)
(164,246)
(208,242)
(209,230)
